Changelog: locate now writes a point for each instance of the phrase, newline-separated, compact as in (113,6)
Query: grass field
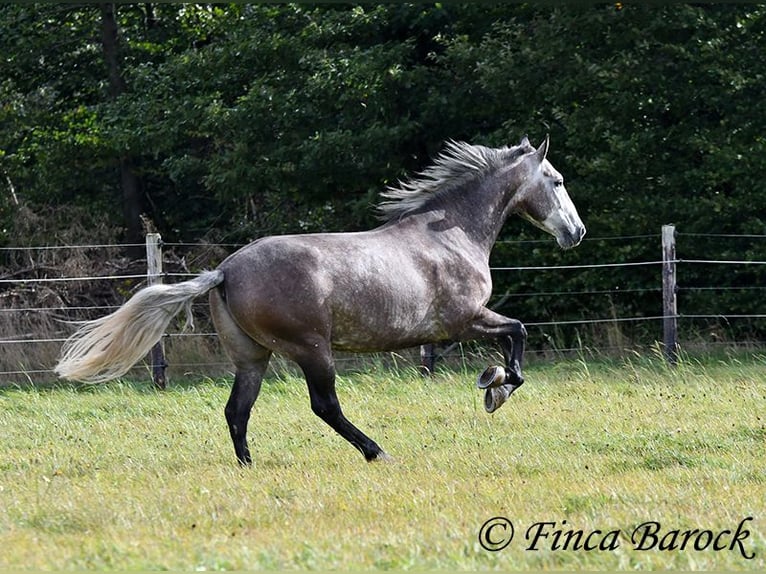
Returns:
(120,476)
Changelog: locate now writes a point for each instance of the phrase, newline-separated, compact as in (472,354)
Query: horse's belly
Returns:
(379,323)
(383,337)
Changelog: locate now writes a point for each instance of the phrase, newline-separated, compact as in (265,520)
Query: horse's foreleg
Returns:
(511,336)
(320,377)
(513,352)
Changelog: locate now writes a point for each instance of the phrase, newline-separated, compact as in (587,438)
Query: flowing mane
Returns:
(459,163)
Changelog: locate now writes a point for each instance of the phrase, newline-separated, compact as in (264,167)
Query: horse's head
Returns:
(543,200)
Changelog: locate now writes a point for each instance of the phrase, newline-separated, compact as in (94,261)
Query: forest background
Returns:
(221,123)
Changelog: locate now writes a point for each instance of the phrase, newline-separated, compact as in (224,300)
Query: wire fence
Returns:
(36,318)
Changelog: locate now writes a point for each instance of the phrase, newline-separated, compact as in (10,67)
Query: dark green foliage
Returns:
(248,120)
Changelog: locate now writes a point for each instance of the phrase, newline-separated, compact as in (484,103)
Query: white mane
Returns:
(459,163)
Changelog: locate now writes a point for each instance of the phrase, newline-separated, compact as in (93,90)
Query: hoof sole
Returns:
(494,398)
(491,377)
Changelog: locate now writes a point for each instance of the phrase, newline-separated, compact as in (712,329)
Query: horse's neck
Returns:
(479,212)
(482,211)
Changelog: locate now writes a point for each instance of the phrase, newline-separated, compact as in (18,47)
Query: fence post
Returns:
(669,303)
(154,277)
(427,359)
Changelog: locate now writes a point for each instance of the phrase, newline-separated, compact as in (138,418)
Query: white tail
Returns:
(108,347)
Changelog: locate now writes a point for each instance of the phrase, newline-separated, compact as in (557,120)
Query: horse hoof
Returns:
(383,457)
(496,396)
(491,377)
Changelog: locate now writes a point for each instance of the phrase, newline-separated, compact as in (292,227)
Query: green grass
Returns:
(120,476)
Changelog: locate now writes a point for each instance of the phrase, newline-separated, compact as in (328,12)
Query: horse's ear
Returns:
(542,151)
(524,141)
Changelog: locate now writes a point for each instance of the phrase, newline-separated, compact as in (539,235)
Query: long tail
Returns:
(108,347)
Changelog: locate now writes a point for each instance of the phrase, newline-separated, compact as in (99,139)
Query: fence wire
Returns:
(58,313)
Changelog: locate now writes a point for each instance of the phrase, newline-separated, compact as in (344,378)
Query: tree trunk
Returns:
(132,196)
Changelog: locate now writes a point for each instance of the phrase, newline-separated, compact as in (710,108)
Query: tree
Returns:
(62,65)
(247,120)
(132,200)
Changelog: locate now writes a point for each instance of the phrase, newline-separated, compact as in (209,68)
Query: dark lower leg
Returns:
(513,352)
(247,385)
(510,334)
(325,404)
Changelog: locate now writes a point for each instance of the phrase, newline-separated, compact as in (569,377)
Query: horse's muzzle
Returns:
(572,238)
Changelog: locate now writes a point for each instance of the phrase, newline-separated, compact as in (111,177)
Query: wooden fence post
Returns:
(154,277)
(669,303)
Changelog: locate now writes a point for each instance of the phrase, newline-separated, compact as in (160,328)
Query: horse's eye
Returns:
(558,183)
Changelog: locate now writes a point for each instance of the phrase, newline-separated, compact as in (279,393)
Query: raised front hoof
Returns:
(495,397)
(492,377)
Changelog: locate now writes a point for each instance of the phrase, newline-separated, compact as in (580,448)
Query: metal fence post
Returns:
(154,277)
(669,302)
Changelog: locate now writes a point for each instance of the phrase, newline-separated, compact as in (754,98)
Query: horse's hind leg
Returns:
(320,377)
(251,361)
(247,385)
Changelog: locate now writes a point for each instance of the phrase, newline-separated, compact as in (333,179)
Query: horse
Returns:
(421,276)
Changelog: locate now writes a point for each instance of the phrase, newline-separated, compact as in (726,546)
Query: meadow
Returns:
(120,476)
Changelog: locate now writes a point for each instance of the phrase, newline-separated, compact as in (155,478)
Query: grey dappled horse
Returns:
(422,276)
